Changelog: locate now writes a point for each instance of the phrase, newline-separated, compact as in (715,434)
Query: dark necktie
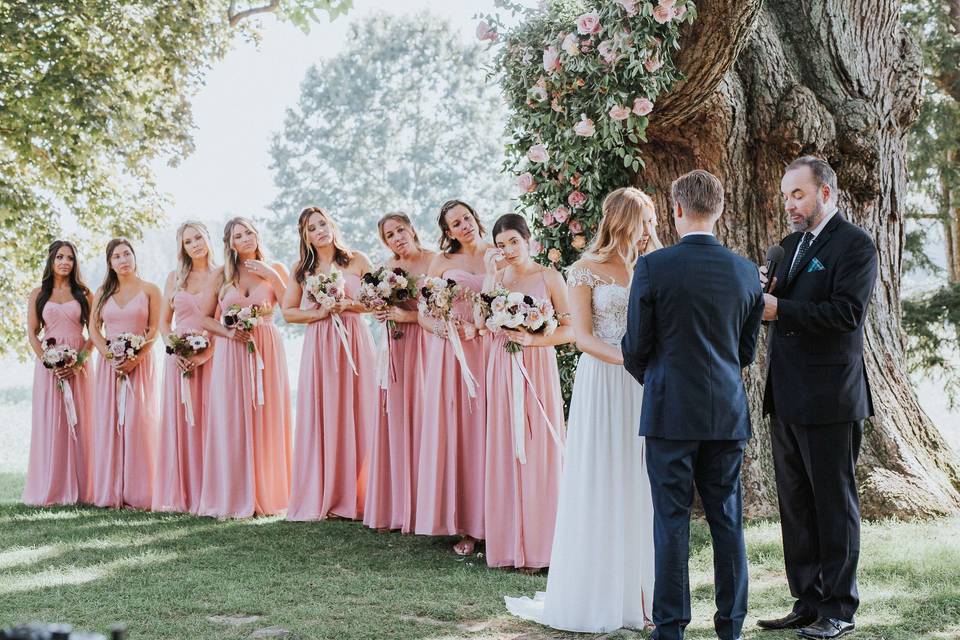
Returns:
(801,251)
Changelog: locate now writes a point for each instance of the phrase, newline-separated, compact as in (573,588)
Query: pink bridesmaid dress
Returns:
(521,505)
(452,442)
(395,451)
(246,446)
(176,486)
(124,454)
(336,415)
(59,468)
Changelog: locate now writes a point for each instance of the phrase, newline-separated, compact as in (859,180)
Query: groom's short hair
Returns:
(699,193)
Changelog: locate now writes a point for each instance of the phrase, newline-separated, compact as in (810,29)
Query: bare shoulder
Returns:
(32,297)
(151,289)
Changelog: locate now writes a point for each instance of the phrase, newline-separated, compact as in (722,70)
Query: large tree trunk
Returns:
(834,78)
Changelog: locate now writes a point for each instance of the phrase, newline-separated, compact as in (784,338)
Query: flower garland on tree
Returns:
(581,78)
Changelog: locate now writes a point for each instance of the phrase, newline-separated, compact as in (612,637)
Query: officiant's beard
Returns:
(808,221)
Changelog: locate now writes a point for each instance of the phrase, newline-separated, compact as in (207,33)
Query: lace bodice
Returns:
(609,304)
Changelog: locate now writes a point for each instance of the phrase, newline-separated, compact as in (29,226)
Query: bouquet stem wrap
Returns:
(461,357)
(186,398)
(71,408)
(342,333)
(123,390)
(520,378)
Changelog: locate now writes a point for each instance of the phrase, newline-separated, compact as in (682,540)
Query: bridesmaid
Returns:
(451,465)
(336,407)
(521,495)
(59,468)
(246,447)
(176,486)
(125,443)
(391,493)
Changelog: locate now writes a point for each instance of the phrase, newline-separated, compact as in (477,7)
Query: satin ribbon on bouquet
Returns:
(461,357)
(186,398)
(519,377)
(70,406)
(342,333)
(256,376)
(123,390)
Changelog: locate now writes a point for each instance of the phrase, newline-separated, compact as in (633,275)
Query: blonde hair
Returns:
(231,259)
(184,261)
(621,224)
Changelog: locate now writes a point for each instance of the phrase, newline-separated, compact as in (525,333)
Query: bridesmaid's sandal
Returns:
(464,547)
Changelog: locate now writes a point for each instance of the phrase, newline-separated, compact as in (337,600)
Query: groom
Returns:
(692,325)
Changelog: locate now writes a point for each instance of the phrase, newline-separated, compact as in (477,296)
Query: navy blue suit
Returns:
(692,324)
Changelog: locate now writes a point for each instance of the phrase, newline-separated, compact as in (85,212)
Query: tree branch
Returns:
(236,17)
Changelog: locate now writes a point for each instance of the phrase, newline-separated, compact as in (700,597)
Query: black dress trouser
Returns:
(819,514)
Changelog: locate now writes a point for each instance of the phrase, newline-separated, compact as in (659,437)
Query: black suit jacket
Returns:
(816,373)
(692,325)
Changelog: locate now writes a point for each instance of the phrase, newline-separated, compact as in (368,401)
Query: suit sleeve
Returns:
(751,329)
(843,312)
(637,343)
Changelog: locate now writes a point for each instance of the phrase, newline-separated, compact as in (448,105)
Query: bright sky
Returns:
(244,102)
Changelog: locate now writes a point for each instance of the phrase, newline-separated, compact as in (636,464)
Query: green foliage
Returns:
(932,321)
(579,98)
(91,93)
(400,120)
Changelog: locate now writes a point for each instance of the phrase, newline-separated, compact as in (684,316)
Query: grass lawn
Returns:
(180,577)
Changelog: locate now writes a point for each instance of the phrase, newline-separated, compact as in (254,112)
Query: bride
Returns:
(601,564)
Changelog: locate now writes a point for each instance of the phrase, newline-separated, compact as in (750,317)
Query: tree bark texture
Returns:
(767,82)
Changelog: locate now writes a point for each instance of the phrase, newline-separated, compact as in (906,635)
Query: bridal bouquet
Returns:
(57,356)
(385,287)
(504,309)
(245,318)
(325,289)
(186,344)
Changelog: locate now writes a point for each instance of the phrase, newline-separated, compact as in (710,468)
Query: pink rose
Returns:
(526,182)
(579,242)
(585,127)
(554,255)
(652,64)
(662,14)
(535,247)
(548,219)
(575,226)
(486,32)
(630,6)
(588,23)
(606,51)
(667,4)
(555,105)
(679,11)
(538,153)
(576,199)
(620,113)
(642,106)
(560,214)
(571,44)
(551,59)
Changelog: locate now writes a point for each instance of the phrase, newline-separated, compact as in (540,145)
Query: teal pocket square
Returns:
(815,265)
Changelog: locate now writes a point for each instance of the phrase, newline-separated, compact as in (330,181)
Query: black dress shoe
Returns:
(792,620)
(826,629)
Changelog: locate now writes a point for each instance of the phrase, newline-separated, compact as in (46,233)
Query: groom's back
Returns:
(706,304)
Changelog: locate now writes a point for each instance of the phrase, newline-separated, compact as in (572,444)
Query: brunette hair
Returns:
(231,259)
(511,222)
(447,244)
(110,281)
(308,256)
(78,288)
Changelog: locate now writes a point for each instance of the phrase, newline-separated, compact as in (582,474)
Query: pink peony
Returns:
(642,106)
(589,23)
(551,59)
(548,219)
(538,153)
(679,11)
(576,199)
(585,127)
(652,64)
(560,214)
(620,113)
(526,182)
(630,6)
(575,226)
(667,4)
(486,32)
(571,44)
(662,14)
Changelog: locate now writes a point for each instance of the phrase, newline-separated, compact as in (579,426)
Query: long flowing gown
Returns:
(336,415)
(521,498)
(124,454)
(59,470)
(179,468)
(453,435)
(395,450)
(601,565)
(246,448)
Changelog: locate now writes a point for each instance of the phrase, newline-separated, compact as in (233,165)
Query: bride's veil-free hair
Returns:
(621,227)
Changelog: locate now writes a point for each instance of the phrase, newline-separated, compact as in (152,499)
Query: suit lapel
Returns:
(817,246)
(789,249)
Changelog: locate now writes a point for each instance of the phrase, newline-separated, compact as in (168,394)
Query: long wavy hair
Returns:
(447,244)
(110,281)
(184,261)
(397,216)
(78,288)
(231,259)
(621,226)
(307,263)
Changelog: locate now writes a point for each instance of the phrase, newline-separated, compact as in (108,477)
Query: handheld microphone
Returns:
(774,256)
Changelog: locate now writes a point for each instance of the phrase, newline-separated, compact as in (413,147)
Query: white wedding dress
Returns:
(601,564)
